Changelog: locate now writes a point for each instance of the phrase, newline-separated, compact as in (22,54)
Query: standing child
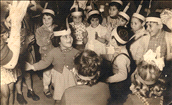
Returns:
(43,35)
(112,19)
(137,25)
(61,58)
(78,29)
(123,19)
(96,33)
(119,81)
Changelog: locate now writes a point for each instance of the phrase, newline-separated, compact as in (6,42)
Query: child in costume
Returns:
(43,35)
(78,29)
(112,19)
(137,25)
(96,33)
(123,20)
(10,51)
(119,80)
(148,84)
(61,58)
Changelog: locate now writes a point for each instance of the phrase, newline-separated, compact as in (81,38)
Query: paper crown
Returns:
(45,10)
(76,12)
(116,1)
(92,12)
(62,33)
(154,17)
(123,13)
(137,15)
(151,57)
(48,11)
(121,34)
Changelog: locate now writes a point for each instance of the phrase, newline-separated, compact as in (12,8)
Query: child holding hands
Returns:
(61,58)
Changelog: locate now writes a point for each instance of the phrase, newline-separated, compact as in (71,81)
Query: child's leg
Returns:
(4,94)
(46,79)
(11,93)
(58,85)
(18,85)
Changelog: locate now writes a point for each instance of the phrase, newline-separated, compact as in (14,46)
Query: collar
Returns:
(139,33)
(66,49)
(113,17)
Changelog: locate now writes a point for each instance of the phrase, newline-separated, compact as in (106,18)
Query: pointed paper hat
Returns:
(123,13)
(137,15)
(45,10)
(116,1)
(77,12)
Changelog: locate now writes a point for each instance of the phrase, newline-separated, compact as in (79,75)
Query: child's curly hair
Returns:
(88,65)
(147,80)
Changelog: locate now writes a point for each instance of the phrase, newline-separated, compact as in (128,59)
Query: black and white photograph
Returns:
(86,52)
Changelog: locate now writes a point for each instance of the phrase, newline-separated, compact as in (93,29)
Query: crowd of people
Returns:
(115,52)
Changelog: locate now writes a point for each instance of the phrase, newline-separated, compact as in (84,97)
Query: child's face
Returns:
(136,24)
(47,20)
(77,20)
(153,28)
(113,11)
(94,22)
(122,21)
(66,41)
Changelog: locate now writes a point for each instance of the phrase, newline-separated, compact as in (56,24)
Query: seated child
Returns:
(61,58)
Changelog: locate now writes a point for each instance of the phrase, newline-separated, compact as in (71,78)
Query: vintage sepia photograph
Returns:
(86,52)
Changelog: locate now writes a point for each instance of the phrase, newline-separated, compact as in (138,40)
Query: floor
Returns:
(38,88)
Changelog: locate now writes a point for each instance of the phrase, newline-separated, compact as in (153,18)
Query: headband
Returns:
(93,12)
(117,1)
(123,14)
(154,19)
(62,33)
(86,77)
(118,38)
(137,15)
(77,13)
(48,11)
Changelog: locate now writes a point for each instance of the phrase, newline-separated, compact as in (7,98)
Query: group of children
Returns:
(108,37)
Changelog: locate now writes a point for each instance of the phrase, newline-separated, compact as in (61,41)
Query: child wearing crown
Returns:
(78,29)
(61,57)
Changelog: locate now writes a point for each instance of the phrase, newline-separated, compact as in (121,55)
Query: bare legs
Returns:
(7,94)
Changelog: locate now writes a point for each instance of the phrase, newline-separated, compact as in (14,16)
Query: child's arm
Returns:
(41,40)
(85,39)
(102,40)
(42,64)
(121,61)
